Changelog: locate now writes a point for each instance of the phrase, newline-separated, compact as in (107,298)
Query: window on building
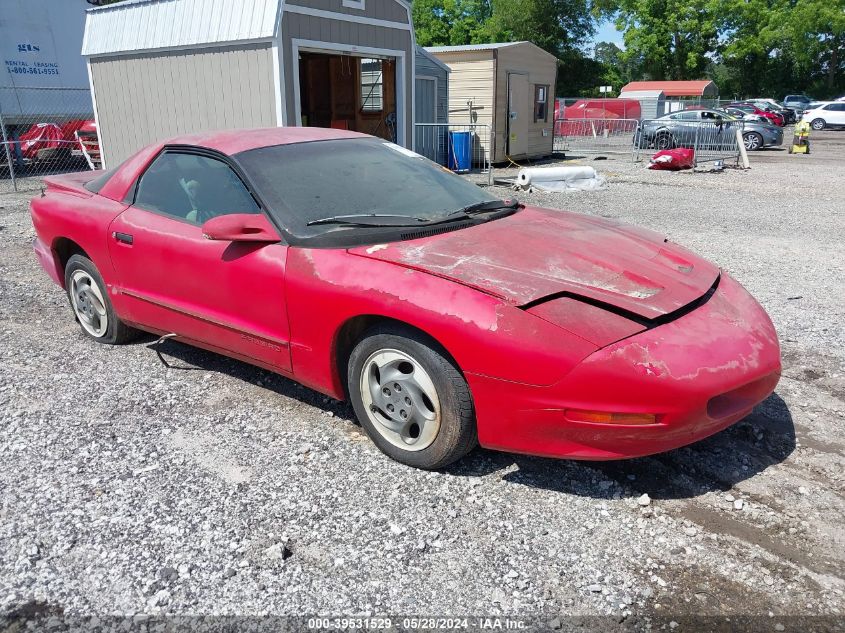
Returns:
(372,85)
(541,99)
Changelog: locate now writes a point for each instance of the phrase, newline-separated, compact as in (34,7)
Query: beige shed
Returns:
(161,68)
(508,87)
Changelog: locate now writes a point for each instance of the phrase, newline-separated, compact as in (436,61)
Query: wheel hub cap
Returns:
(400,399)
(88,304)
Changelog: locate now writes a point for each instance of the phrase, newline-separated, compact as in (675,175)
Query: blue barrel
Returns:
(460,151)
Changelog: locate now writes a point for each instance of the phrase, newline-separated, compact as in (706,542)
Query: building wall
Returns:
(152,96)
(542,70)
(337,34)
(378,9)
(471,91)
(427,68)
(42,75)
(431,141)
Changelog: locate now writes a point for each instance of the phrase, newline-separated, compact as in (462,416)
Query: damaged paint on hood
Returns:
(538,253)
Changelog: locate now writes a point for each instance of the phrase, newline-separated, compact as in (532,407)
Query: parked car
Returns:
(744,116)
(679,130)
(789,115)
(798,103)
(447,316)
(830,114)
(774,117)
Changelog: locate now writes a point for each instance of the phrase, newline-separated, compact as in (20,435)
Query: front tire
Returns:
(410,398)
(753,141)
(663,141)
(89,300)
(818,124)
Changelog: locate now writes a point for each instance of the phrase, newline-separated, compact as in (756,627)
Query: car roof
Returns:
(228,142)
(240,140)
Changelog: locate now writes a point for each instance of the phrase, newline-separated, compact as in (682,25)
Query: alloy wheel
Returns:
(752,141)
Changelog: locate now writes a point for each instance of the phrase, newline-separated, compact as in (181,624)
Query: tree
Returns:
(816,32)
(617,68)
(451,22)
(670,39)
(779,46)
(556,26)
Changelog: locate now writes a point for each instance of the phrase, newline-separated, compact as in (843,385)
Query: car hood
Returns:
(539,254)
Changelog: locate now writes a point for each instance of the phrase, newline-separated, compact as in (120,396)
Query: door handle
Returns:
(125,238)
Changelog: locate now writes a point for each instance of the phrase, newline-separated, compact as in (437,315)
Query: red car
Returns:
(773,117)
(447,316)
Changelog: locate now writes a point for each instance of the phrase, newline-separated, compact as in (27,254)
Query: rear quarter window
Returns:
(95,184)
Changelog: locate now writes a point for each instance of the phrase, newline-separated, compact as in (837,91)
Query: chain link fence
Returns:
(462,147)
(45,131)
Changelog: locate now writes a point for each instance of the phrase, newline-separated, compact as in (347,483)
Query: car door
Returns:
(834,114)
(225,295)
(687,125)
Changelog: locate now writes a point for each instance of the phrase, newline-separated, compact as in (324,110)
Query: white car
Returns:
(826,114)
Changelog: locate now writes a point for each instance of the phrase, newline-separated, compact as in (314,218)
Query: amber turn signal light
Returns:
(605,417)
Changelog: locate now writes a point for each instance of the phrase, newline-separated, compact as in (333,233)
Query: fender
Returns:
(482,333)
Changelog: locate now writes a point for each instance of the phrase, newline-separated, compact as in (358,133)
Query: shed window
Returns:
(541,98)
(372,85)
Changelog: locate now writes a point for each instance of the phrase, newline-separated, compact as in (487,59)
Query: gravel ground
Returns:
(217,488)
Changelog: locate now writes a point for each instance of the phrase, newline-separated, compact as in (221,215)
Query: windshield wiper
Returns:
(387,219)
(370,219)
(485,207)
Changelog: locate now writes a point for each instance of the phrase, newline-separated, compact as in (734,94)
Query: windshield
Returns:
(306,184)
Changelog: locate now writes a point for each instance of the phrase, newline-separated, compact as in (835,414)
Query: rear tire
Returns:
(410,398)
(91,306)
(818,124)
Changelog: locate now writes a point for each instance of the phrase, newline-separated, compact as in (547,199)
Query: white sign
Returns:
(604,89)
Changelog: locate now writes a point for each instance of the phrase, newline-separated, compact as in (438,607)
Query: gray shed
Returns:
(161,68)
(652,102)
(432,106)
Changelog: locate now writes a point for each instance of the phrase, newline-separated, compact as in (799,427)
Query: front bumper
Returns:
(699,374)
(773,138)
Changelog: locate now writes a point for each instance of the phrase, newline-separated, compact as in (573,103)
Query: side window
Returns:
(689,116)
(541,98)
(192,187)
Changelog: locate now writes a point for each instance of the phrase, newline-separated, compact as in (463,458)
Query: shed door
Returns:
(519,114)
(426,136)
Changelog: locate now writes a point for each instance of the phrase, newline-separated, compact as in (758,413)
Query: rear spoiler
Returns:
(71,183)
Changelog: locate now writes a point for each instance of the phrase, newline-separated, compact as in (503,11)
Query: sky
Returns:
(606,32)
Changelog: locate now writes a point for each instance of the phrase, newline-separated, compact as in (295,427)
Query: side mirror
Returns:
(240,227)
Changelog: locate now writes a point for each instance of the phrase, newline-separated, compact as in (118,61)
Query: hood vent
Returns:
(411,235)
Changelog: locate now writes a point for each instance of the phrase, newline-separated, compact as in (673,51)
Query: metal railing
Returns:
(590,136)
(441,143)
(709,140)
(45,130)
